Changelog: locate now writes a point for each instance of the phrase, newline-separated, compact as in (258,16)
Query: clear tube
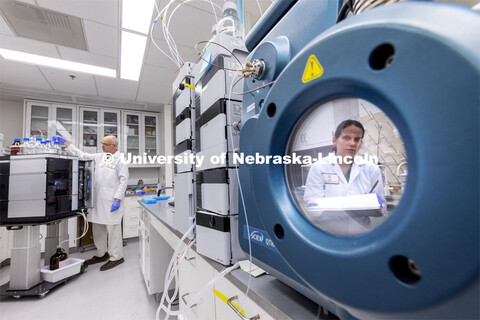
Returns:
(85,228)
(171,268)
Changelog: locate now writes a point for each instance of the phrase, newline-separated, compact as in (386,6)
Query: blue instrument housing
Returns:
(431,90)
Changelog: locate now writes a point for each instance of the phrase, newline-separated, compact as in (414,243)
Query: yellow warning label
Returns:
(313,69)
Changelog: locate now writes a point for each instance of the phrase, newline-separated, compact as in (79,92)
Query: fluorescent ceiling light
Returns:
(133,50)
(137,15)
(56,63)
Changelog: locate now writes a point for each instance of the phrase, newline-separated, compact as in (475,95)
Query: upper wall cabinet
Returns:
(89,129)
(43,120)
(140,133)
(95,123)
(86,126)
(150,131)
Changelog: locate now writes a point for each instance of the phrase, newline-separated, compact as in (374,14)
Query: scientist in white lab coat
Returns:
(110,183)
(344,177)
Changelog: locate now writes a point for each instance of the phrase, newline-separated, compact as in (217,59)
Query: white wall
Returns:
(11,119)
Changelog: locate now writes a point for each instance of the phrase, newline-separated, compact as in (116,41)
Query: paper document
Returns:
(363,204)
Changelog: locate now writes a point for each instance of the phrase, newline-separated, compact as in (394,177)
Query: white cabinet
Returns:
(140,133)
(131,217)
(65,122)
(225,312)
(95,123)
(194,273)
(89,129)
(131,133)
(154,256)
(86,126)
(42,120)
(150,132)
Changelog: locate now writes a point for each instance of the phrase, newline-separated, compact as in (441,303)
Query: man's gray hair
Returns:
(115,141)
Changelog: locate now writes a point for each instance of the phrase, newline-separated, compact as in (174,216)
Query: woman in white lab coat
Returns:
(109,185)
(343,178)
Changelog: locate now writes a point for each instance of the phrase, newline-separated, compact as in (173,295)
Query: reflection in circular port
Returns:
(353,168)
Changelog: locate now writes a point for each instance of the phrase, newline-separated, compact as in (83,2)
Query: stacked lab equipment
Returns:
(39,189)
(184,178)
(218,113)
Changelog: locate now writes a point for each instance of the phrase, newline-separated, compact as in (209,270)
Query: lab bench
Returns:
(267,297)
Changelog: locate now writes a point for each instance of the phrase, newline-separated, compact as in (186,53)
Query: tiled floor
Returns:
(118,293)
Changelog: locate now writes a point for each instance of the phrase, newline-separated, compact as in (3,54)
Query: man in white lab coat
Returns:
(110,183)
(344,179)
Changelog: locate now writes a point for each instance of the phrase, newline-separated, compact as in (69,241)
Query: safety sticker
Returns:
(313,69)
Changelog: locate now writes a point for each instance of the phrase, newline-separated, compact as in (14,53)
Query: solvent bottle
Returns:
(230,24)
(15,148)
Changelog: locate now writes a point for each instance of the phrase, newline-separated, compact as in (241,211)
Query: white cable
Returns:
(174,276)
(243,201)
(165,22)
(259,8)
(176,253)
(185,2)
(160,13)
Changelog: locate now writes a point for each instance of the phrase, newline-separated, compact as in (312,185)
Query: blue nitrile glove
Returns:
(115,205)
(59,139)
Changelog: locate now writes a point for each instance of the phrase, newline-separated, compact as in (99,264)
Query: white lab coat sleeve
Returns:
(122,179)
(315,185)
(377,176)
(74,151)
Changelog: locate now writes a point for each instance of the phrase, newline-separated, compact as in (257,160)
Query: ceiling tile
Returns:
(101,11)
(29,46)
(181,25)
(101,39)
(87,57)
(154,94)
(157,76)
(61,81)
(157,58)
(22,74)
(4,28)
(252,12)
(117,88)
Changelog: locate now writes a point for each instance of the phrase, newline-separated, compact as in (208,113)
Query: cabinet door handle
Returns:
(185,301)
(237,311)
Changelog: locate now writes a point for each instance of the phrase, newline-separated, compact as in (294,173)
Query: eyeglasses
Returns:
(107,144)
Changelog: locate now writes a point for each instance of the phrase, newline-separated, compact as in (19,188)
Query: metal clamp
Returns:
(185,301)
(237,311)
(189,258)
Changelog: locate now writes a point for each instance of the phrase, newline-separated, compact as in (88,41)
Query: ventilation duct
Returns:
(41,24)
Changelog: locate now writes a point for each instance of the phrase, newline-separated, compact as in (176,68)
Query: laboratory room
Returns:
(239,159)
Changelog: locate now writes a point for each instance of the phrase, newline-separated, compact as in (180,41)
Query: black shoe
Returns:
(111,264)
(96,259)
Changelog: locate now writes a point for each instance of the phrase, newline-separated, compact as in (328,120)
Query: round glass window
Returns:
(350,167)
